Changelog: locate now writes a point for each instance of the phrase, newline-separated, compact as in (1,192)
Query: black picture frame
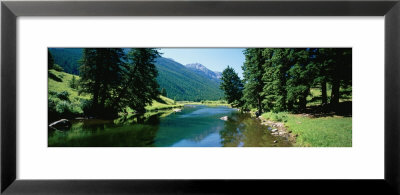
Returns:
(10,10)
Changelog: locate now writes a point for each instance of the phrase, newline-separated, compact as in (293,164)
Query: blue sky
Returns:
(216,59)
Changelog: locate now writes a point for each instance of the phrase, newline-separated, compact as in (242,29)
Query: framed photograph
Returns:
(199,97)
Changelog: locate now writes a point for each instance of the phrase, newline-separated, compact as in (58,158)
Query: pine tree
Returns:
(301,77)
(253,84)
(164,92)
(101,70)
(278,62)
(232,87)
(73,83)
(139,86)
(50,60)
(341,72)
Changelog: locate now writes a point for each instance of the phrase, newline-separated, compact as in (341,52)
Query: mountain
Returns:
(180,82)
(67,58)
(183,83)
(200,69)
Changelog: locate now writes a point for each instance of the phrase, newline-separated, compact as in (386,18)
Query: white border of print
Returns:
(364,34)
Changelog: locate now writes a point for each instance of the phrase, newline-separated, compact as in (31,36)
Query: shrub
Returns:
(64,109)
(54,77)
(279,117)
(87,107)
(58,68)
(63,96)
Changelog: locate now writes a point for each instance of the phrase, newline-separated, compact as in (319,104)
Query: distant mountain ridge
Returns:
(181,82)
(201,69)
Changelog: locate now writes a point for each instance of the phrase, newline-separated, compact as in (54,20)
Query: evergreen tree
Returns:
(253,84)
(232,87)
(278,62)
(323,59)
(301,76)
(139,85)
(73,83)
(50,60)
(341,72)
(164,92)
(101,73)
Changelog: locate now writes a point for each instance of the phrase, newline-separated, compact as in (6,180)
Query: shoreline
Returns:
(277,129)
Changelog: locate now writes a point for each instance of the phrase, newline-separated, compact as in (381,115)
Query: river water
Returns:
(194,126)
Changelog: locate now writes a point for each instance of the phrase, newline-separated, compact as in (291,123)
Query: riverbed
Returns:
(193,126)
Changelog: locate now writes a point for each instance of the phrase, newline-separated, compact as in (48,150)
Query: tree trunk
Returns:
(259,106)
(335,92)
(96,96)
(125,88)
(323,91)
(303,100)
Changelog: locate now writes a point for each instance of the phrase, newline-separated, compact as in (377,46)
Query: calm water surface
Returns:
(194,126)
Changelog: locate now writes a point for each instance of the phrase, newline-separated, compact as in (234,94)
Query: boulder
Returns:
(224,118)
(274,130)
(62,124)
(177,110)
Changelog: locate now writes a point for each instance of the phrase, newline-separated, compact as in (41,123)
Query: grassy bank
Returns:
(65,101)
(162,104)
(207,102)
(331,131)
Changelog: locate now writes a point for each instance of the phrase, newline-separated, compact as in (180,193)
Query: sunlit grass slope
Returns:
(59,83)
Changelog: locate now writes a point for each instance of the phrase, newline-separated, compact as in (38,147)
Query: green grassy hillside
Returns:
(66,101)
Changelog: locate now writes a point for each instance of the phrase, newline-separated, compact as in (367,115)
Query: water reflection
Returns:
(194,126)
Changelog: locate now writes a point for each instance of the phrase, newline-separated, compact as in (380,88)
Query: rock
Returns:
(276,133)
(177,110)
(269,128)
(224,118)
(62,124)
(281,133)
(276,141)
(274,130)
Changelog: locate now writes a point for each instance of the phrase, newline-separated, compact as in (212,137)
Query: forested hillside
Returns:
(179,82)
(67,58)
(182,83)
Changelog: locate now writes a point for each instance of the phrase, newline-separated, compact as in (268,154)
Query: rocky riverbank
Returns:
(277,129)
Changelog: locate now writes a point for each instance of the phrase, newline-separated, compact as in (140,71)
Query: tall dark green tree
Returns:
(278,62)
(101,74)
(324,59)
(50,60)
(232,87)
(301,77)
(139,85)
(253,72)
(73,84)
(341,72)
(164,92)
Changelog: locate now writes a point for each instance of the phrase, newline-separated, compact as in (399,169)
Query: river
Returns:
(194,126)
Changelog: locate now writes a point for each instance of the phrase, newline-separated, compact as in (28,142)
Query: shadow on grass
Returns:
(342,109)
